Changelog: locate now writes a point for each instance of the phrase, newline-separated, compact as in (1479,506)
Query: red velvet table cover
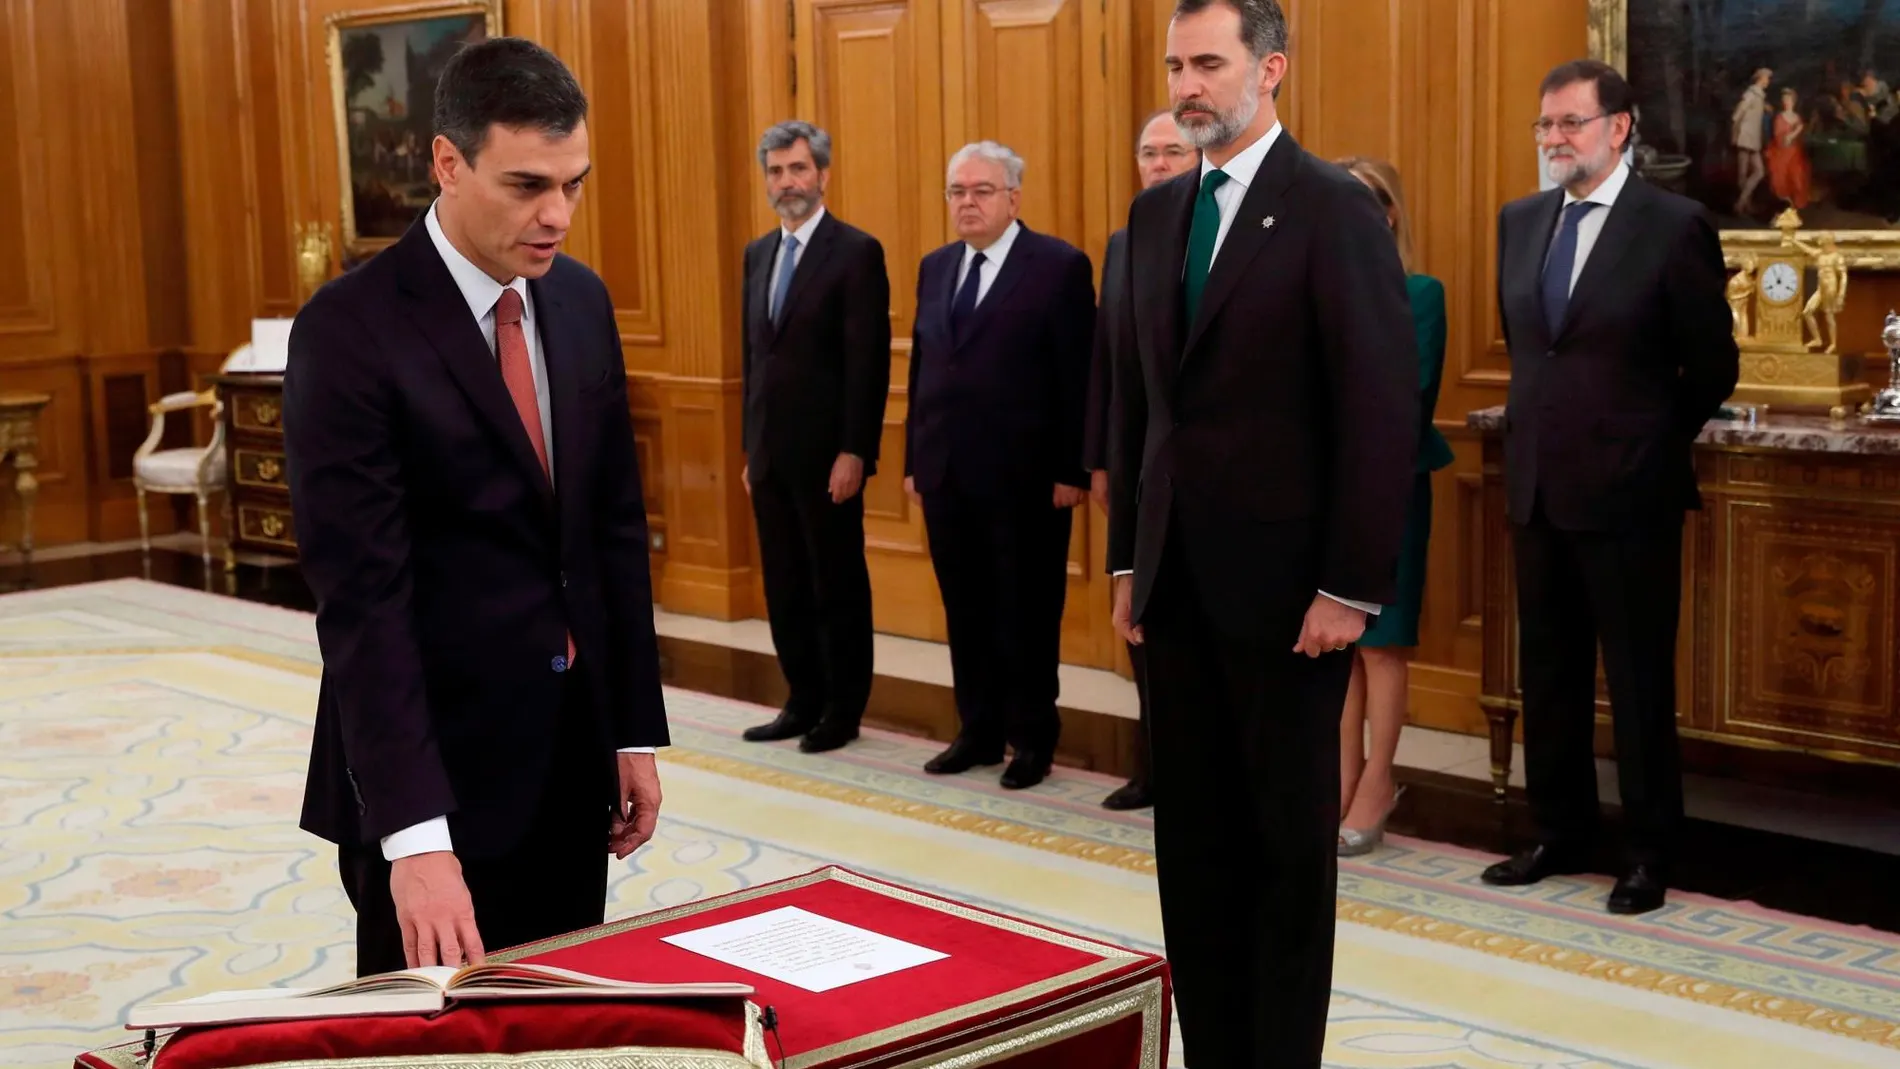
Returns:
(1009,994)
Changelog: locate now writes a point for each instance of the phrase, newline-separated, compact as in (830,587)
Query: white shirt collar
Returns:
(1241,169)
(478,289)
(999,249)
(1606,193)
(805,231)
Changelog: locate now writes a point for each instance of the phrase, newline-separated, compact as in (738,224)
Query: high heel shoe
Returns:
(1354,843)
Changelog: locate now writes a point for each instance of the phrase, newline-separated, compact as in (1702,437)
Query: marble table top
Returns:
(1793,433)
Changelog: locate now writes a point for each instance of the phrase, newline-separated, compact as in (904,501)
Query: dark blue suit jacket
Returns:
(998,409)
(447,571)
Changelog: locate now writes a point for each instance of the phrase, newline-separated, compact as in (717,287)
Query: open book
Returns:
(425,990)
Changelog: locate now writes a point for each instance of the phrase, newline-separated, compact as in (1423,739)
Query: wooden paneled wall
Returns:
(168,154)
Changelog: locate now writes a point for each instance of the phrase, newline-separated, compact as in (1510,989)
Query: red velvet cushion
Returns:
(470,1028)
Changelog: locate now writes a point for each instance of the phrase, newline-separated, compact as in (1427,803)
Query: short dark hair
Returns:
(510,81)
(1614,94)
(1262,24)
(786,134)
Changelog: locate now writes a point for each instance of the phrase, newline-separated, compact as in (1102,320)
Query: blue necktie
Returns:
(787,264)
(1563,260)
(966,297)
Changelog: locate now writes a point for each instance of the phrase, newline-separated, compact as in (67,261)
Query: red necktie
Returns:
(511,347)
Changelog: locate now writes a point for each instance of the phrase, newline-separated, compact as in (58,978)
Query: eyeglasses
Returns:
(1571,125)
(983,192)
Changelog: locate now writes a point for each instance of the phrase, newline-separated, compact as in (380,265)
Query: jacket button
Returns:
(1551,355)
(560,663)
(563,580)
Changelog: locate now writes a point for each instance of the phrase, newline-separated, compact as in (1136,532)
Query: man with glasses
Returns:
(1161,152)
(999,368)
(1612,298)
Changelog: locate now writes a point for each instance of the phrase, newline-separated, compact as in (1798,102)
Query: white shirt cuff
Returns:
(426,837)
(1363,606)
(1130,571)
(636,749)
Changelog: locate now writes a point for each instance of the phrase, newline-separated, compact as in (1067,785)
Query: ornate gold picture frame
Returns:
(1721,124)
(384,63)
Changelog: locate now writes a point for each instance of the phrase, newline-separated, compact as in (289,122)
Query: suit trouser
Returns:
(552,882)
(817,592)
(1002,569)
(1574,590)
(1246,782)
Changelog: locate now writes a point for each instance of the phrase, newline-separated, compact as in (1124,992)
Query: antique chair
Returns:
(195,470)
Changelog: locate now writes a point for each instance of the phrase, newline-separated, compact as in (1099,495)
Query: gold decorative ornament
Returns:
(313,258)
(1779,339)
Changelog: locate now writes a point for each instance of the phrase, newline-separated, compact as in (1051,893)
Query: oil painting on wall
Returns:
(385,67)
(1755,106)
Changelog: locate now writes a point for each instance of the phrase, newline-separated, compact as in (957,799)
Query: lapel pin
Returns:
(1266,223)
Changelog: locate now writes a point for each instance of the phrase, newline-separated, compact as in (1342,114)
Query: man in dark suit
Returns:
(1612,297)
(817,340)
(1161,152)
(470,519)
(999,370)
(1266,408)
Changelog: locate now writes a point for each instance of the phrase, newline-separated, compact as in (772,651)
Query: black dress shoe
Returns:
(787,725)
(962,756)
(1131,795)
(1026,769)
(1640,890)
(1530,866)
(828,735)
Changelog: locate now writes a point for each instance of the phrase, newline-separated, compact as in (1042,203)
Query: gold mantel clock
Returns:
(1780,364)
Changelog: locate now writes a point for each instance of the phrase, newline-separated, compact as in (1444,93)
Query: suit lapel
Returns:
(759,290)
(810,260)
(1169,301)
(1533,249)
(1613,242)
(1020,253)
(443,316)
(559,353)
(1249,233)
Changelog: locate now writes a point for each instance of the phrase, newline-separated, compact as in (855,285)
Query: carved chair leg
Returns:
(230,533)
(204,527)
(145,523)
(1502,722)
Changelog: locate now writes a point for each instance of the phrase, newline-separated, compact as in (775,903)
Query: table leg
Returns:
(1503,719)
(27,486)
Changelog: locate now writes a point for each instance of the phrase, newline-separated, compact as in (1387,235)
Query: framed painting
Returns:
(1754,107)
(384,63)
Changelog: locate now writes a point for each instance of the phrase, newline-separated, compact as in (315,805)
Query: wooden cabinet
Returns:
(1790,594)
(254,437)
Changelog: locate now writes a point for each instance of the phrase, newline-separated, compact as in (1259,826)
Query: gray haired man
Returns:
(817,344)
(999,372)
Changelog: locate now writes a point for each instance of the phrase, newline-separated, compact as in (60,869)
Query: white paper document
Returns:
(804,949)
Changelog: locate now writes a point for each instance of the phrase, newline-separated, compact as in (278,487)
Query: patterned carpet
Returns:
(152,743)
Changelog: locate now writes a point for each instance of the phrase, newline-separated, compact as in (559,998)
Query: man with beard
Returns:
(1161,152)
(1611,293)
(1260,462)
(817,342)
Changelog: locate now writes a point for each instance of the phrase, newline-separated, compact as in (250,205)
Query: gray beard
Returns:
(1224,127)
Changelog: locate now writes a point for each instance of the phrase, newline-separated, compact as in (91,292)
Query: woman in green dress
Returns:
(1377,694)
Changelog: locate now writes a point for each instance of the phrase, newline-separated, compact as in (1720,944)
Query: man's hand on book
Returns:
(639,808)
(434,910)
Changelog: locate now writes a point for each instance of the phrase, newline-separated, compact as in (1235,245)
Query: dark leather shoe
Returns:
(1131,795)
(1027,769)
(1530,866)
(1639,891)
(828,735)
(962,756)
(786,725)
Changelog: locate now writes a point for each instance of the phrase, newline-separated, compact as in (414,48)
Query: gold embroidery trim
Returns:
(1143,999)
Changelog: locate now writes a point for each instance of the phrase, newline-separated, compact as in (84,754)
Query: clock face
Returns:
(1780,283)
